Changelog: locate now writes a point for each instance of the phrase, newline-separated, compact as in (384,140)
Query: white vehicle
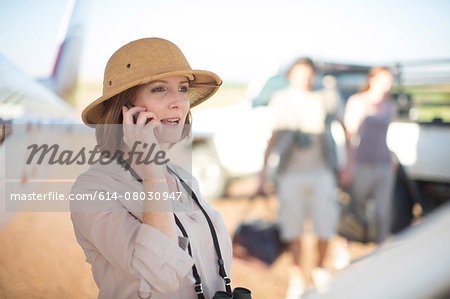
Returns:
(420,138)
(228,143)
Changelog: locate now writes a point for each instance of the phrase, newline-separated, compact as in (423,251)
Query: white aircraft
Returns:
(28,104)
(25,99)
(412,264)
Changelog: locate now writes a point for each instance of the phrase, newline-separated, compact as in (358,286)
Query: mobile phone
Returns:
(135,116)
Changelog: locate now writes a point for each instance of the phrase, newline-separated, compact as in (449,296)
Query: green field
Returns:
(429,101)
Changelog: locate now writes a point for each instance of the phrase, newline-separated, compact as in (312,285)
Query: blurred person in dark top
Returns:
(370,171)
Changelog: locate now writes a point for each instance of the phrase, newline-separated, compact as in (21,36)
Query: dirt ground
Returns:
(40,258)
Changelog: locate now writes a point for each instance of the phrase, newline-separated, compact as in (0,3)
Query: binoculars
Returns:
(238,293)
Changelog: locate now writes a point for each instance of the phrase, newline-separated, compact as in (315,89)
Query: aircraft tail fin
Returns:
(63,79)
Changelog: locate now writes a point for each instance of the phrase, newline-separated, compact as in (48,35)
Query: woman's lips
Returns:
(170,121)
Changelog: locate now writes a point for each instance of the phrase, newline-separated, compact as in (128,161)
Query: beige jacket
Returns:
(127,255)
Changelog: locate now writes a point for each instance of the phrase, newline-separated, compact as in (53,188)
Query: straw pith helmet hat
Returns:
(146,60)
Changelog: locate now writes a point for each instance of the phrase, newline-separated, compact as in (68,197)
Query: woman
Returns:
(149,234)
(371,171)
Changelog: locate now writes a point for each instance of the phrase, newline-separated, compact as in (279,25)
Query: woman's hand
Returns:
(155,213)
(261,190)
(144,132)
(345,177)
(139,137)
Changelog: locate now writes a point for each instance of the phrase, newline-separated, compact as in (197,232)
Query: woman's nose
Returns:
(177,100)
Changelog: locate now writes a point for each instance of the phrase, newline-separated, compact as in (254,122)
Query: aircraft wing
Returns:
(21,97)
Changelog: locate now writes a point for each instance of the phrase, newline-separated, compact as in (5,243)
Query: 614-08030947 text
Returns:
(97,195)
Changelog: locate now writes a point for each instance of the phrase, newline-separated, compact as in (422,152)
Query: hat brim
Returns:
(203,84)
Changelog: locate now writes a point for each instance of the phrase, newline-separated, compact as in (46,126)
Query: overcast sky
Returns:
(236,39)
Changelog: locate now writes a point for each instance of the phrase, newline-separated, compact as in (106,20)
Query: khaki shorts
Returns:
(313,195)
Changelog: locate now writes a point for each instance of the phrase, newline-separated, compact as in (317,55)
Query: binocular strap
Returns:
(198,281)
(220,261)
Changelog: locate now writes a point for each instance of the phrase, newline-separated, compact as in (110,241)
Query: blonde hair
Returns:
(109,138)
(372,73)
